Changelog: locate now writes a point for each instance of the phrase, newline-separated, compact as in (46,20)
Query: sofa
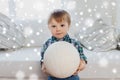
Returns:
(24,63)
(21,41)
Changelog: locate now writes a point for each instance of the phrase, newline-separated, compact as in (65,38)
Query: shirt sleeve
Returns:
(43,48)
(42,51)
(80,50)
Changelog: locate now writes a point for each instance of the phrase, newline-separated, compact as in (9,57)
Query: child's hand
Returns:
(81,67)
(44,69)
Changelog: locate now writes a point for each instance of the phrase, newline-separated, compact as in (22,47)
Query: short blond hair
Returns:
(59,16)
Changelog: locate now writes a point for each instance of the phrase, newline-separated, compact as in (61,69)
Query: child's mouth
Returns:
(58,33)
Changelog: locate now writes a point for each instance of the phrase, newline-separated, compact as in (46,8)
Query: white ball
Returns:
(61,59)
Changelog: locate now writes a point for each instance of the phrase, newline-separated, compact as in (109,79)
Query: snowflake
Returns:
(94,32)
(105,4)
(81,13)
(113,4)
(95,71)
(76,13)
(76,24)
(26,58)
(107,37)
(37,33)
(103,62)
(33,77)
(90,35)
(94,39)
(8,39)
(25,14)
(90,48)
(39,21)
(32,16)
(23,19)
(30,67)
(13,20)
(106,13)
(41,30)
(21,5)
(85,1)
(4,30)
(119,43)
(94,9)
(114,71)
(81,37)
(89,22)
(14,47)
(35,50)
(14,38)
(38,53)
(20,75)
(21,24)
(7,55)
(71,5)
(52,1)
(84,29)
(32,41)
(101,31)
(28,31)
(28,44)
(89,10)
(39,6)
(117,57)
(98,15)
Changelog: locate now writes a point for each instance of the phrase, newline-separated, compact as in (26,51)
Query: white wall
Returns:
(118,13)
(33,16)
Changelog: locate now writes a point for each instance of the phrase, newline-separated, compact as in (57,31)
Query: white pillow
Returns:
(11,36)
(99,37)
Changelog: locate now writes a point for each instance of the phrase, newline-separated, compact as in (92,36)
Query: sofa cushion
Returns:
(26,62)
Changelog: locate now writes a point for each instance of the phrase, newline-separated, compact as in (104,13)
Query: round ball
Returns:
(61,59)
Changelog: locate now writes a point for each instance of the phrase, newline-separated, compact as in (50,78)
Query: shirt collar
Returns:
(65,38)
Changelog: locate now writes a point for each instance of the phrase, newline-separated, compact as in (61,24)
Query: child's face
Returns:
(58,30)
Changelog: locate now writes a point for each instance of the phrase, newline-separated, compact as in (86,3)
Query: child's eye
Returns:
(62,25)
(53,26)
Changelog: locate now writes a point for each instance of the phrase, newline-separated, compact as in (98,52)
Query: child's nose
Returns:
(58,28)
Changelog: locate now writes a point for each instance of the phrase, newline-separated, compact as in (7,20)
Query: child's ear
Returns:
(68,27)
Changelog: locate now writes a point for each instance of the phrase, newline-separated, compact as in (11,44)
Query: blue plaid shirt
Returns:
(67,39)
